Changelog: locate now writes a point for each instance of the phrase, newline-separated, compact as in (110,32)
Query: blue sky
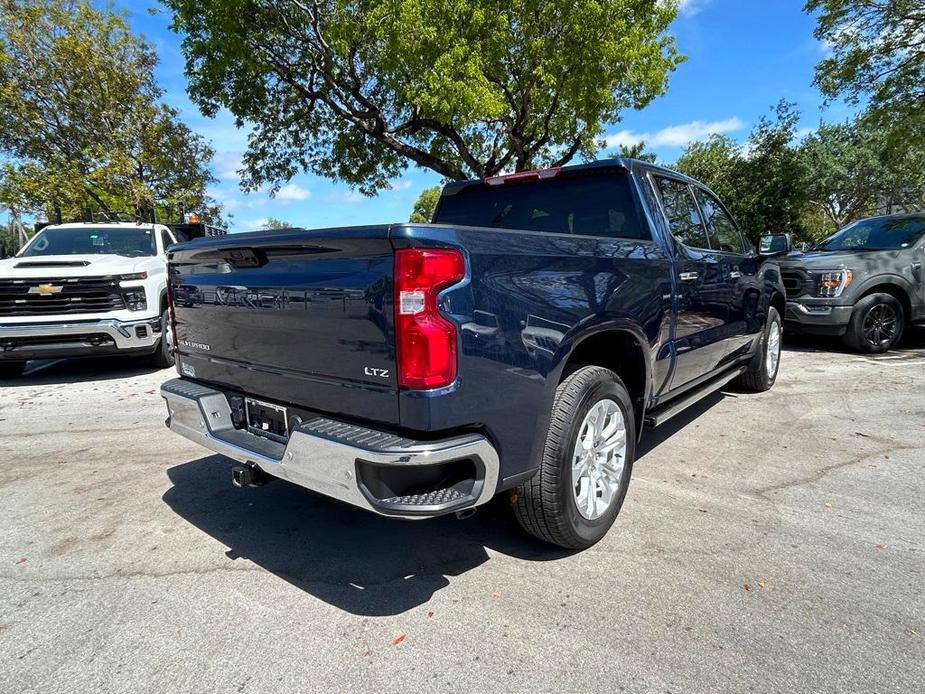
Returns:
(743,56)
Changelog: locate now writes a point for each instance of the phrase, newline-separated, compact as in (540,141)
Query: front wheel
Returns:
(876,325)
(762,370)
(579,489)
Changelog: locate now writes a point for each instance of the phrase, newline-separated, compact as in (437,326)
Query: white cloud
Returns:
(401,185)
(227,164)
(292,192)
(688,8)
(675,135)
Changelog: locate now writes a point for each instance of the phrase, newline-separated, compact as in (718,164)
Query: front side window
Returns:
(682,213)
(133,242)
(724,235)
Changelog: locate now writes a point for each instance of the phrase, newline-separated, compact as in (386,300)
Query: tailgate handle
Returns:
(243,257)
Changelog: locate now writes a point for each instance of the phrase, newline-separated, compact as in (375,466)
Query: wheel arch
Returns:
(896,289)
(621,350)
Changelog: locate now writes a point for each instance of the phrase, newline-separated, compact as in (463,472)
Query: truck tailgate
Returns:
(299,317)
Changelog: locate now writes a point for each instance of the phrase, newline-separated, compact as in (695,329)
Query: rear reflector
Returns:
(425,341)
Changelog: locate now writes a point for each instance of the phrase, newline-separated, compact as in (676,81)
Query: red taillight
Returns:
(425,341)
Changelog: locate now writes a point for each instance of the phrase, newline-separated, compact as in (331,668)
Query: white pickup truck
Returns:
(86,289)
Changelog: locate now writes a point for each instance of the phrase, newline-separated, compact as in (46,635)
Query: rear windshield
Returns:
(600,203)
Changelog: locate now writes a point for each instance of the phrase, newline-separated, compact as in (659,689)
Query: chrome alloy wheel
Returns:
(598,459)
(772,352)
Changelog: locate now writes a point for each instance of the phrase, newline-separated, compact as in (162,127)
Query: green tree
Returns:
(637,150)
(424,206)
(877,53)
(763,182)
(81,124)
(273,223)
(855,170)
(358,90)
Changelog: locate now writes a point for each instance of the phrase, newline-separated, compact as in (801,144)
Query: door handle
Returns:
(688,276)
(735,274)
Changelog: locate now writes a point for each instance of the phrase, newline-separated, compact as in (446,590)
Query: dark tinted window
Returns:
(681,210)
(587,204)
(165,239)
(724,236)
(885,233)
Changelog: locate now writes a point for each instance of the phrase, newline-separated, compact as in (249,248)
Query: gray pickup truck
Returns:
(864,283)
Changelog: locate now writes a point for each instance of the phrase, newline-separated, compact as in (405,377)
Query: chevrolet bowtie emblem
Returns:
(45,289)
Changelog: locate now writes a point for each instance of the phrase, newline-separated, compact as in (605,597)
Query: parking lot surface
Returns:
(768,543)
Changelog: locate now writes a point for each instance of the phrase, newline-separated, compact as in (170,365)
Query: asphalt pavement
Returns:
(768,543)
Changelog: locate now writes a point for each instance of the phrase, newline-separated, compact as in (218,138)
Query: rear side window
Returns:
(584,204)
(682,213)
(724,235)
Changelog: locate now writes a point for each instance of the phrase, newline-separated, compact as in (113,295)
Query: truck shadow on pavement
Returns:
(49,372)
(911,345)
(350,558)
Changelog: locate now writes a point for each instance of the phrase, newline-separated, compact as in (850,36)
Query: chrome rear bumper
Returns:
(335,458)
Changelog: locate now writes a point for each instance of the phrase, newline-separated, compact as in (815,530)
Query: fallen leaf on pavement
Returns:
(22,560)
(881,546)
(430,615)
(828,504)
(398,640)
(858,433)
(496,595)
(762,584)
(747,587)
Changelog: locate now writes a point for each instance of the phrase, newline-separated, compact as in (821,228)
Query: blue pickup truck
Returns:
(519,344)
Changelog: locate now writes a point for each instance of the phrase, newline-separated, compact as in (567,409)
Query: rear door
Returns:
(299,317)
(703,293)
(738,267)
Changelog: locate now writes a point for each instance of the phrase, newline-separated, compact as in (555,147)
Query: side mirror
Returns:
(774,244)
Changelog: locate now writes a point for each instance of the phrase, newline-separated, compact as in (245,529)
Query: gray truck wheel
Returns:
(876,325)
(577,493)
(12,369)
(162,358)
(762,370)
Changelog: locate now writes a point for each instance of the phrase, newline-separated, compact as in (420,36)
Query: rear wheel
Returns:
(876,325)
(762,371)
(12,369)
(579,489)
(163,358)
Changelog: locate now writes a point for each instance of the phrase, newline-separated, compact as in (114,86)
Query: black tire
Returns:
(162,358)
(883,310)
(759,376)
(546,506)
(12,369)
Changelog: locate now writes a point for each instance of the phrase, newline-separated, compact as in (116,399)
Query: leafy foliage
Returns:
(273,223)
(356,90)
(80,121)
(762,182)
(636,151)
(877,51)
(856,171)
(839,173)
(424,206)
